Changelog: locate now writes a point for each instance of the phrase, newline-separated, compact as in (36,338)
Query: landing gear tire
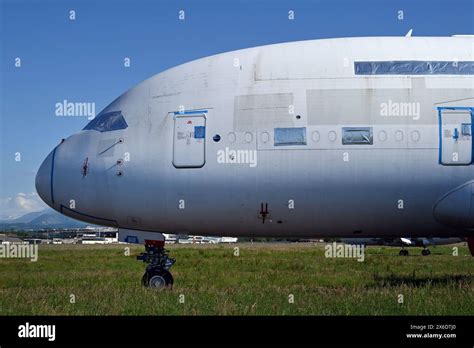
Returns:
(158,279)
(403,252)
(425,252)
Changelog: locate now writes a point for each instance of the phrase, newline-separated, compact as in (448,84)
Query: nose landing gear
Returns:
(157,275)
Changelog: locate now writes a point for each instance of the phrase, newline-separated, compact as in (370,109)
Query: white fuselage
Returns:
(283,140)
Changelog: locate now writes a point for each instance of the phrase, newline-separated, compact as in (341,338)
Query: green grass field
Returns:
(258,282)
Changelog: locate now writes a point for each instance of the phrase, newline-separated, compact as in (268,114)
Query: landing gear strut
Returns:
(425,252)
(157,275)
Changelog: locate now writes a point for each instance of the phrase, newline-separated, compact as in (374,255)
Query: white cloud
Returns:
(20,204)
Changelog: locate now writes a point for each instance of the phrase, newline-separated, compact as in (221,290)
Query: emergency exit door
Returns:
(189,141)
(455,135)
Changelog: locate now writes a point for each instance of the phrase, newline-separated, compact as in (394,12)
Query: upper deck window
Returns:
(108,121)
(414,67)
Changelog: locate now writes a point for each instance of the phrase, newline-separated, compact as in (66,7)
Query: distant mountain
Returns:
(42,219)
(27,217)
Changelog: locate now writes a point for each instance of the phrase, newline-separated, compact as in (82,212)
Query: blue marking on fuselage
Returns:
(52,175)
(191,112)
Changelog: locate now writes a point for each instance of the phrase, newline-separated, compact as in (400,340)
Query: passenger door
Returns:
(189,141)
(455,135)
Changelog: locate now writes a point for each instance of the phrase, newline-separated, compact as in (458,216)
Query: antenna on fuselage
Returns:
(409,33)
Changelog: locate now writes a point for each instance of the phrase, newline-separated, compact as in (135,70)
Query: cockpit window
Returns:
(106,122)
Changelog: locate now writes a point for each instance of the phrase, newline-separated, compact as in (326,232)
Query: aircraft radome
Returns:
(351,137)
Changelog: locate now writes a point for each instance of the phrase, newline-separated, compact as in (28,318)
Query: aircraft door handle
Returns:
(456,134)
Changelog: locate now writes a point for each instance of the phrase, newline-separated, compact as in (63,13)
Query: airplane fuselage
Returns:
(359,137)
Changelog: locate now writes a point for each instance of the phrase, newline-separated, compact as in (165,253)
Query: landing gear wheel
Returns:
(425,252)
(403,252)
(158,279)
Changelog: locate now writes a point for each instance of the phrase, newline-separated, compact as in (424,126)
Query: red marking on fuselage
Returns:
(85,167)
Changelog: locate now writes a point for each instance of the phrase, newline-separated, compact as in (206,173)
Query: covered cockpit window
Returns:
(108,121)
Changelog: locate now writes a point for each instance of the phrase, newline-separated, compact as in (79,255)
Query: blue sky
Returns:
(82,60)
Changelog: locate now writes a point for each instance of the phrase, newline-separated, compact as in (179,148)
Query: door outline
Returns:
(189,114)
(440,126)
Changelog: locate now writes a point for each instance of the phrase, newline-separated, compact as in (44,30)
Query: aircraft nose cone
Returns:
(43,180)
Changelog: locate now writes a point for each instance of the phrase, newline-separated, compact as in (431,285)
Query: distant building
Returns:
(228,240)
(69,241)
(4,239)
(170,238)
(99,237)
(37,241)
(206,240)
